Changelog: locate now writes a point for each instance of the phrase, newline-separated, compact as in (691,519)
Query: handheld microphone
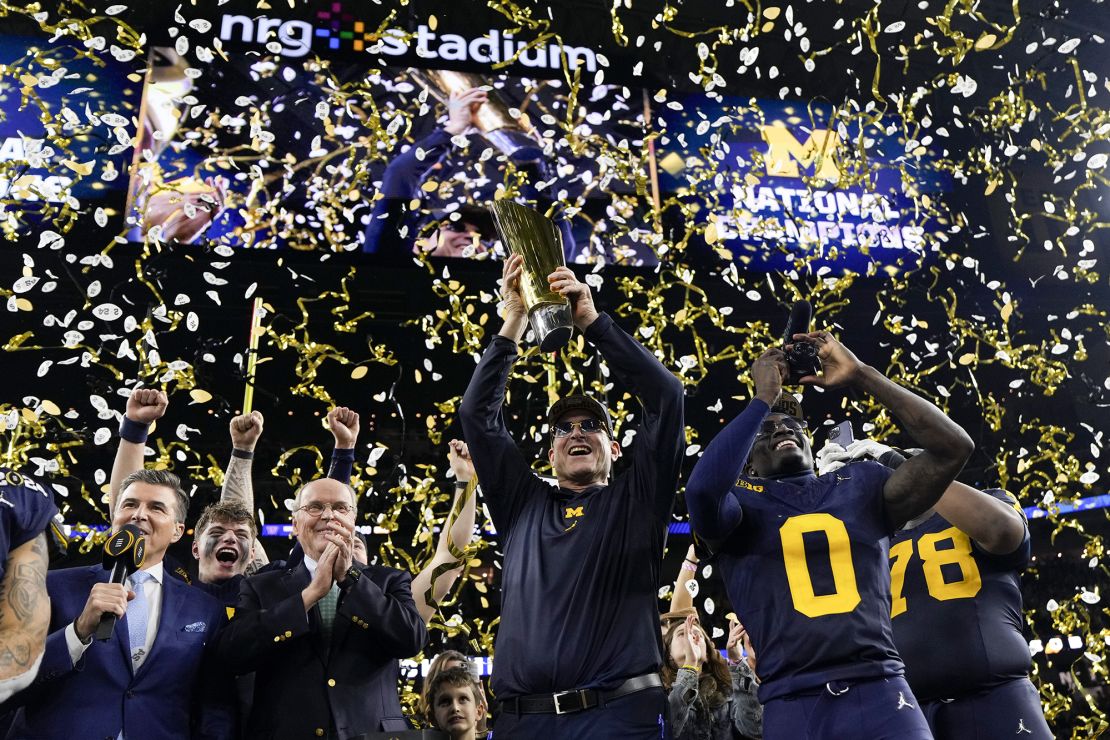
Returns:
(802,356)
(124,553)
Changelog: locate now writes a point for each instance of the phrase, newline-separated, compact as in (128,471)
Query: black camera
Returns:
(803,360)
(801,356)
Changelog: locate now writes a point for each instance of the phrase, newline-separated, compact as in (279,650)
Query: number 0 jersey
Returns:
(807,572)
(957,609)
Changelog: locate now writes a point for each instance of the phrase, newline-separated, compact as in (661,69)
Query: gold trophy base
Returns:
(553,326)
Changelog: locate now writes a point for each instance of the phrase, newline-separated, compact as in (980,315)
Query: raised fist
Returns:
(343,424)
(145,405)
(245,430)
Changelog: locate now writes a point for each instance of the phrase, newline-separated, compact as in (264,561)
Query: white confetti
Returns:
(107,312)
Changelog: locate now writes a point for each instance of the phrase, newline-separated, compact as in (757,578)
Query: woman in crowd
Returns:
(708,697)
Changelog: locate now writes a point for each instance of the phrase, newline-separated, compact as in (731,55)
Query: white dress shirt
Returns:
(153,592)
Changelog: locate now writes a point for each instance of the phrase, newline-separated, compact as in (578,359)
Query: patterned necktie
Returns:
(328,605)
(138,610)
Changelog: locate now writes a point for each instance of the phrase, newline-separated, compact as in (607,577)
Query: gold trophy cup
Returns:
(536,238)
(493,118)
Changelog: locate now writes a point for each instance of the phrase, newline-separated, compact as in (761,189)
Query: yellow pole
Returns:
(252,353)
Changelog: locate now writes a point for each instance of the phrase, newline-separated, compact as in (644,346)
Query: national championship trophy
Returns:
(493,119)
(538,240)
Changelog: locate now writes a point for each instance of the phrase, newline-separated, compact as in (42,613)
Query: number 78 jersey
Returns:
(807,572)
(957,609)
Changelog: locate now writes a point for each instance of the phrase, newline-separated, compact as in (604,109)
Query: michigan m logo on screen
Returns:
(785,152)
(334,28)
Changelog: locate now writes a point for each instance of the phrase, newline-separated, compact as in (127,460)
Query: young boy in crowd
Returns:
(456,703)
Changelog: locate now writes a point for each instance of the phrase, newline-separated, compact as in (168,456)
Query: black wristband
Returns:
(133,431)
(461,484)
(242,454)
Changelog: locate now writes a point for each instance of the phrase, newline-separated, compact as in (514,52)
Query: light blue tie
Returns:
(138,611)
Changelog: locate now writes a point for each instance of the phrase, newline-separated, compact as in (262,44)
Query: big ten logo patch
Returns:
(741,483)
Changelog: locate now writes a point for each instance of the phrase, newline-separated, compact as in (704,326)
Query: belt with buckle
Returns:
(577,700)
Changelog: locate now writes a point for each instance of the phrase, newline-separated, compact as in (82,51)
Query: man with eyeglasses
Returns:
(805,558)
(578,648)
(324,636)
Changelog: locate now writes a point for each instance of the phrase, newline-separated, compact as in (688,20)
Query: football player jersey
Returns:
(806,572)
(956,609)
(26,509)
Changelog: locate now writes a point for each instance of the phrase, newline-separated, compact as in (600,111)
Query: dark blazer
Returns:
(304,688)
(101,695)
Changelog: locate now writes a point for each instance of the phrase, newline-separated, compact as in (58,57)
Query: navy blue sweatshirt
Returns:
(581,569)
(394,224)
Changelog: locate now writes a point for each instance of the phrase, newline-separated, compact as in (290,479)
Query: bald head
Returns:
(315,505)
(321,484)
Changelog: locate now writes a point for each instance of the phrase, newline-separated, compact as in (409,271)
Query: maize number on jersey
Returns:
(845,595)
(932,560)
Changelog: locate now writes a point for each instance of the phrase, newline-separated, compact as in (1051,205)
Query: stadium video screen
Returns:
(280,152)
(93,164)
(292,151)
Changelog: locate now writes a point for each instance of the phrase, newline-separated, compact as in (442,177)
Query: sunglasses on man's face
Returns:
(588,426)
(767,428)
(458,227)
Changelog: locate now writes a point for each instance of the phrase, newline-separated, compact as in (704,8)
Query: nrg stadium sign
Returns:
(335,29)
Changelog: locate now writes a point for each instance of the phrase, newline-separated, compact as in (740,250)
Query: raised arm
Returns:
(344,426)
(660,439)
(497,460)
(714,512)
(144,407)
(393,221)
(24,616)
(238,486)
(745,712)
(993,520)
(996,527)
(434,581)
(919,483)
(682,598)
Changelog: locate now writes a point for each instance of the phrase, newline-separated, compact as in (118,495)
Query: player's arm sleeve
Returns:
(681,699)
(129,459)
(745,710)
(342,464)
(393,220)
(498,462)
(1020,556)
(56,658)
(238,484)
(24,615)
(714,512)
(660,440)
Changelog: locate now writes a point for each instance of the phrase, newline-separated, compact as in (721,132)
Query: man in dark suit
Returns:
(151,678)
(323,637)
